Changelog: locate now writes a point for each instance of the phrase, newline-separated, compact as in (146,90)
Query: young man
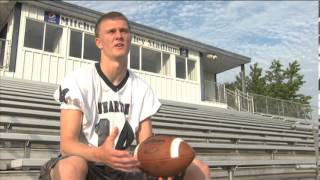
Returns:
(103,108)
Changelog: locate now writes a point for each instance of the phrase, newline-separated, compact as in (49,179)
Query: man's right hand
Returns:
(117,159)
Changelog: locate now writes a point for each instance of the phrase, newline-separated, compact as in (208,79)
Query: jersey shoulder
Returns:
(138,82)
(80,77)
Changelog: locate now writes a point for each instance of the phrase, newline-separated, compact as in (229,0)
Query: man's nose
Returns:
(118,34)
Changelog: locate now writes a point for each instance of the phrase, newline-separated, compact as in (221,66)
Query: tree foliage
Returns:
(277,82)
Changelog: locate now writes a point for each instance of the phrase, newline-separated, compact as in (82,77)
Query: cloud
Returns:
(262,30)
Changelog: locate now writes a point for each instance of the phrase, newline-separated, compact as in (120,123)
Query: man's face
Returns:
(114,38)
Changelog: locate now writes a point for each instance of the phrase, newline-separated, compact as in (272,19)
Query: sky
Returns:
(261,30)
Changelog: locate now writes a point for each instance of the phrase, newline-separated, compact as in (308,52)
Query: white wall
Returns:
(7,50)
(39,65)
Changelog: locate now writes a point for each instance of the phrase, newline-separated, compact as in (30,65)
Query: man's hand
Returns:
(121,160)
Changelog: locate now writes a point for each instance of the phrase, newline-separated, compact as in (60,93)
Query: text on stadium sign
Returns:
(55,18)
(155,44)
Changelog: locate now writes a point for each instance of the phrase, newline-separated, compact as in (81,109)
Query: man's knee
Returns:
(203,166)
(71,167)
(197,170)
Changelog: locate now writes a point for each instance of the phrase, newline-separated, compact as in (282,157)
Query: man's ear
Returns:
(99,43)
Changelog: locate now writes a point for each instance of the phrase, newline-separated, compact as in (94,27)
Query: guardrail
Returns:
(256,103)
(5,47)
(215,92)
(239,101)
(279,107)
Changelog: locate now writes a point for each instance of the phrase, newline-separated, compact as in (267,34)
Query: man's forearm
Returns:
(79,149)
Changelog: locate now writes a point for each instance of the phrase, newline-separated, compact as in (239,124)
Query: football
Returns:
(164,156)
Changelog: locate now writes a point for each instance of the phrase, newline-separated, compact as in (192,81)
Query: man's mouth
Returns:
(119,45)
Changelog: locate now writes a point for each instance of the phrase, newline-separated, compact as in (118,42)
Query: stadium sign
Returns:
(66,21)
(62,20)
(136,39)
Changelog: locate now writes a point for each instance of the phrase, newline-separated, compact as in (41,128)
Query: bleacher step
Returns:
(29,163)
(19,175)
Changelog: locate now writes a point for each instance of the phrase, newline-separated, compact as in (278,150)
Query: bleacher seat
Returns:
(232,143)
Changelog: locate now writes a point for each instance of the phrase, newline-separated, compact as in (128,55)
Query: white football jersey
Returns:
(106,106)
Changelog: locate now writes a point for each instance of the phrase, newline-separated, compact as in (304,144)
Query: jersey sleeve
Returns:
(150,104)
(69,94)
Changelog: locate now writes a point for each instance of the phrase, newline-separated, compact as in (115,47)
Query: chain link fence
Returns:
(256,103)
(239,101)
(279,107)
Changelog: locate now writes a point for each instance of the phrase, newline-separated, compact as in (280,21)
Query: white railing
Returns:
(214,92)
(280,107)
(38,65)
(5,49)
(239,101)
(171,88)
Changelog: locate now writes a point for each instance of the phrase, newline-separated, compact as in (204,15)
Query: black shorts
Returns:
(97,172)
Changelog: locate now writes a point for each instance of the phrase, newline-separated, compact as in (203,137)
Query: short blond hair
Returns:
(110,15)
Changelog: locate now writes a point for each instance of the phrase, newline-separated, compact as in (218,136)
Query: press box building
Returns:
(45,40)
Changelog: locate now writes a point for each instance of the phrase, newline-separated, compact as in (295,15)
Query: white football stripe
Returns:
(135,153)
(174,148)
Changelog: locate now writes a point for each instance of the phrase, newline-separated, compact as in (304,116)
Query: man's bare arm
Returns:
(145,130)
(70,127)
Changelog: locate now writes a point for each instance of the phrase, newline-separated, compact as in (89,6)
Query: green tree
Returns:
(294,81)
(277,82)
(256,82)
(236,84)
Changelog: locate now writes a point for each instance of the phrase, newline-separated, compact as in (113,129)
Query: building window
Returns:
(42,36)
(53,36)
(75,44)
(192,73)
(180,67)
(151,60)
(134,57)
(83,46)
(33,37)
(90,49)
(165,70)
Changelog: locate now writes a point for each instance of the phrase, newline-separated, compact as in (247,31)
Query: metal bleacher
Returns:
(235,145)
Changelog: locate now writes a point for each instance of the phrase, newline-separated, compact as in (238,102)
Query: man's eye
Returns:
(124,30)
(111,31)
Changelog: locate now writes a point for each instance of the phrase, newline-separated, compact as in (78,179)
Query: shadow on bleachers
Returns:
(234,144)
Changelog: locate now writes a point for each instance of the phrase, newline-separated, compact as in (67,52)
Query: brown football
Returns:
(164,156)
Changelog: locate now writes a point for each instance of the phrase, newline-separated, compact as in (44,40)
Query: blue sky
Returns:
(261,30)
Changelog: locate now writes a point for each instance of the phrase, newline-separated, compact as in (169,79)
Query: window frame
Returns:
(185,63)
(139,57)
(151,49)
(162,65)
(140,48)
(195,68)
(83,33)
(59,53)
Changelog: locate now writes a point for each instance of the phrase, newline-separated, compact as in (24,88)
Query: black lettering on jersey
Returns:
(116,106)
(111,109)
(99,108)
(105,107)
(121,107)
(102,130)
(62,94)
(126,109)
(126,137)
(113,106)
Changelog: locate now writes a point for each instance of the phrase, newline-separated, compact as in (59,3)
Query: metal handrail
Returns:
(214,92)
(285,108)
(5,47)
(239,101)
